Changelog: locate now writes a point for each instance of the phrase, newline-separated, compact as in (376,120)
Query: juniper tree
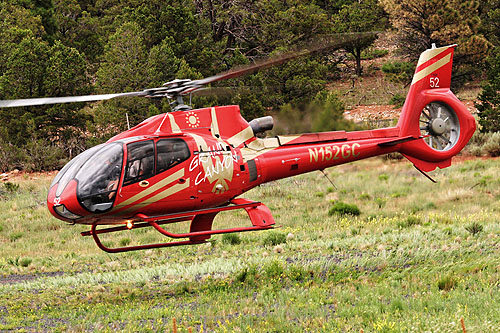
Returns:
(420,23)
(489,99)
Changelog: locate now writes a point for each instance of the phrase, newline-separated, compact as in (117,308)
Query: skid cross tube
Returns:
(200,230)
(206,233)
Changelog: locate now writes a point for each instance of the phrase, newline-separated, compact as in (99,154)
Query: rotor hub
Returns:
(437,126)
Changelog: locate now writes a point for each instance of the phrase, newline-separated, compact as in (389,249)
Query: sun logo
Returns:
(192,119)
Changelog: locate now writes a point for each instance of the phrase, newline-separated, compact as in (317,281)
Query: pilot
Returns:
(134,169)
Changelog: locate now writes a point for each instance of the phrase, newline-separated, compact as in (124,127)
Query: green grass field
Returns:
(418,257)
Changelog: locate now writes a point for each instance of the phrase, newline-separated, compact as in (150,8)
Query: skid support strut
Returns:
(200,228)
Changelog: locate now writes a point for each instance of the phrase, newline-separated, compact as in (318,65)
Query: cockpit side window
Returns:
(170,152)
(140,161)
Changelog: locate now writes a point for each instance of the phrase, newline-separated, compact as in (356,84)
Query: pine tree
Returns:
(123,70)
(489,99)
(360,16)
(420,23)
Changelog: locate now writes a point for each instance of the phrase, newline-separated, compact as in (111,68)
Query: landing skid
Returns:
(200,228)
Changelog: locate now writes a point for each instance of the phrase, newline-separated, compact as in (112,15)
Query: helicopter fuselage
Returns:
(189,165)
(190,160)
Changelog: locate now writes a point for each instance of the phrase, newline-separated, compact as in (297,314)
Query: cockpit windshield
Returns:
(98,178)
(98,170)
(69,171)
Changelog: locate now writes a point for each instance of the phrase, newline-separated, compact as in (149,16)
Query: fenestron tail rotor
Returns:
(440,126)
(177,88)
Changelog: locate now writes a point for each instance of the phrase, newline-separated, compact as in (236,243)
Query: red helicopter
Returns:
(189,165)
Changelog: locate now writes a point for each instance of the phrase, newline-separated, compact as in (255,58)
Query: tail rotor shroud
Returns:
(439,126)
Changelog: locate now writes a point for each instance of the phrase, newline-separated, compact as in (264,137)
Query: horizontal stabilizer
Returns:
(428,166)
(398,141)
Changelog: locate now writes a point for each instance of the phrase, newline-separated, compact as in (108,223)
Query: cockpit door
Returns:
(155,179)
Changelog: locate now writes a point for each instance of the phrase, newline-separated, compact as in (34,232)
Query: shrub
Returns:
(324,113)
(15,236)
(397,100)
(364,196)
(248,275)
(13,262)
(274,270)
(383,176)
(42,155)
(430,205)
(475,145)
(11,187)
(342,208)
(380,202)
(274,238)
(492,145)
(448,231)
(296,273)
(446,283)
(10,156)
(413,220)
(370,53)
(232,239)
(183,287)
(124,241)
(397,305)
(409,221)
(25,262)
(399,72)
(474,228)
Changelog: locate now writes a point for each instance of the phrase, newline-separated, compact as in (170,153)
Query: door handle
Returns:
(143,183)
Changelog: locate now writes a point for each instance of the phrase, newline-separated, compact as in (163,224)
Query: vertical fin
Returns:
(434,68)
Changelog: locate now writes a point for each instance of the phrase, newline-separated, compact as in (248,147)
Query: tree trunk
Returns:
(359,69)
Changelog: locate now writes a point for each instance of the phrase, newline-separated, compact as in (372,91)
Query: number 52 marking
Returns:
(434,82)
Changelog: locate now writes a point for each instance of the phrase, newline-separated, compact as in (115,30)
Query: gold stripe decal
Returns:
(151,189)
(431,53)
(162,195)
(168,192)
(241,137)
(432,68)
(215,124)
(284,139)
(173,124)
(200,142)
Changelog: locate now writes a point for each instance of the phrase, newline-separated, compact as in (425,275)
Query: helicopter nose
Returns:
(65,206)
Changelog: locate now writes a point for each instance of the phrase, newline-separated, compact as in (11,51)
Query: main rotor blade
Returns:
(226,91)
(70,99)
(328,42)
(184,87)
